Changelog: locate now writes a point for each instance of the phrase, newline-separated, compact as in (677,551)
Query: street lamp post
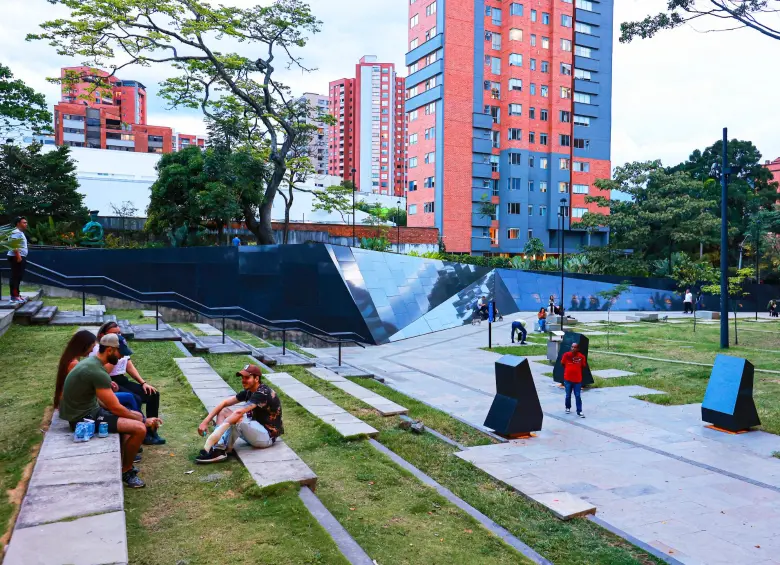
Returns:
(724,245)
(563,251)
(398,226)
(354,188)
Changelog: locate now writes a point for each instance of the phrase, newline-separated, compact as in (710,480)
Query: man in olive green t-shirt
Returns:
(89,382)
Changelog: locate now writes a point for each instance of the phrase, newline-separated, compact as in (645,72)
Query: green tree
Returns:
(611,295)
(534,247)
(754,14)
(38,185)
(21,107)
(337,198)
(239,87)
(736,290)
(664,213)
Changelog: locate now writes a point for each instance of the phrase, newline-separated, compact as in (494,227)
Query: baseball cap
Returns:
(124,349)
(110,340)
(250,371)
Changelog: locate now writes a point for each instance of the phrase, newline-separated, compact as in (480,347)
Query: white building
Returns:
(318,147)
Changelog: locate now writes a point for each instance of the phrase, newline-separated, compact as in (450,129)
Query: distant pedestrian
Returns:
(519,326)
(699,301)
(18,258)
(542,315)
(237,241)
(573,362)
(773,309)
(688,302)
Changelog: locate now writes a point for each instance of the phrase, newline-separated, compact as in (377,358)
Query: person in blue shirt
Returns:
(18,258)
(237,241)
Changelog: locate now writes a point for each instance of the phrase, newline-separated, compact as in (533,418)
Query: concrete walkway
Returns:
(653,471)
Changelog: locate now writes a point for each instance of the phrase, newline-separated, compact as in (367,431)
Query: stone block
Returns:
(45,504)
(389,409)
(284,471)
(93,468)
(707,315)
(325,410)
(59,444)
(564,505)
(612,373)
(95,540)
(352,430)
(326,374)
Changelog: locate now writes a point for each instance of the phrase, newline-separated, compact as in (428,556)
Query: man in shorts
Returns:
(89,383)
(258,422)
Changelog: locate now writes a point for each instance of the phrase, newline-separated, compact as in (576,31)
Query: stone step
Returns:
(126,329)
(153,332)
(27,311)
(208,329)
(382,405)
(6,319)
(75,318)
(44,315)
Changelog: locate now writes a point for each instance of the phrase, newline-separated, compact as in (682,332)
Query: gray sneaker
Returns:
(131,480)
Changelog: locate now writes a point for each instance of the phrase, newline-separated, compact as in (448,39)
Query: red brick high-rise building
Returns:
(112,116)
(370,131)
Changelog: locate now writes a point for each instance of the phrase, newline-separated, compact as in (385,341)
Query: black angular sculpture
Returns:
(728,401)
(568,339)
(516,409)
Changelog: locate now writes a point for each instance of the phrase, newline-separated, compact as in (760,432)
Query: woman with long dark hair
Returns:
(143,391)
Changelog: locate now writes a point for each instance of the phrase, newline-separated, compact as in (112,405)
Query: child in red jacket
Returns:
(573,361)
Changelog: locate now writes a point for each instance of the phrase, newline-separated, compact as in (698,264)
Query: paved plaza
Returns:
(652,471)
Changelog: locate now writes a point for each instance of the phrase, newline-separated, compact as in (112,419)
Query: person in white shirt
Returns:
(688,302)
(18,258)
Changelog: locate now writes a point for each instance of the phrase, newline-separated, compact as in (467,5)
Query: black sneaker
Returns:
(153,440)
(137,458)
(214,456)
(131,480)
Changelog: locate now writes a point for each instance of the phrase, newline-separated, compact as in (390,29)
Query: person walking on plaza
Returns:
(237,241)
(688,302)
(573,362)
(519,326)
(18,258)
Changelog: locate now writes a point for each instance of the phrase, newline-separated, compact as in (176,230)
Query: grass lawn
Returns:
(343,487)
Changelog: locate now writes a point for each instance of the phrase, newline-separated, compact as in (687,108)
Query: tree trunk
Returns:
(220,231)
(286,223)
(265,231)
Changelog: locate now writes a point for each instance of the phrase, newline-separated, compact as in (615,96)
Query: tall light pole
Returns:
(724,244)
(398,226)
(354,188)
(563,251)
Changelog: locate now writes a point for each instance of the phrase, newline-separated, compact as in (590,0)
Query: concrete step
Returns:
(6,319)
(75,318)
(44,315)
(126,329)
(24,314)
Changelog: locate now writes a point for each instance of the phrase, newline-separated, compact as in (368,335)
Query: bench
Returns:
(73,511)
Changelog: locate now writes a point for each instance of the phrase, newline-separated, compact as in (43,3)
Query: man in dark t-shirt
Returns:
(258,422)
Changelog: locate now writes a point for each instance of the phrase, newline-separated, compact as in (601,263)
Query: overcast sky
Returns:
(671,94)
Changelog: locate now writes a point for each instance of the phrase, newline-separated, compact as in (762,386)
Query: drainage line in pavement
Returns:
(637,542)
(491,526)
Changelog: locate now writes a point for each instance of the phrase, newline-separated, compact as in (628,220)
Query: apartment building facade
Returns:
(368,141)
(509,120)
(320,140)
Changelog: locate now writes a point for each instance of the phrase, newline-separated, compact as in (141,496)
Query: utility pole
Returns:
(724,244)
(354,188)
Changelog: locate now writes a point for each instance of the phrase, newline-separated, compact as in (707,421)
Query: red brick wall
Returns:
(408,235)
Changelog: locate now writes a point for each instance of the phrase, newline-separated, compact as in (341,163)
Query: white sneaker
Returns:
(580,414)
(568,411)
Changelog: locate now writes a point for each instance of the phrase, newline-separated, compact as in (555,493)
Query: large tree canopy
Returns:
(759,15)
(20,106)
(38,184)
(186,35)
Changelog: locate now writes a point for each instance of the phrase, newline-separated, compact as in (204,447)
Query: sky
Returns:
(671,94)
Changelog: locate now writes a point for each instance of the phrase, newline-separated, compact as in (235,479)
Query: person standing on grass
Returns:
(89,383)
(573,362)
(519,326)
(259,422)
(18,258)
(688,302)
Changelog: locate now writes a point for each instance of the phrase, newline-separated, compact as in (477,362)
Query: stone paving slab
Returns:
(231,346)
(76,470)
(147,332)
(94,540)
(270,466)
(208,329)
(342,421)
(6,319)
(150,314)
(382,405)
(564,505)
(52,503)
(612,373)
(75,318)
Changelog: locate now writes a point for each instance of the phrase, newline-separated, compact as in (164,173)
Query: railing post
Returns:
(339,353)
(83,299)
(223,329)
(157,314)
(284,342)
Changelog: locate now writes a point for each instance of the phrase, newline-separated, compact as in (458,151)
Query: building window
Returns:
(429,182)
(412,186)
(532,137)
(582,98)
(494,162)
(513,233)
(544,115)
(428,207)
(514,184)
(581,166)
(583,51)
(533,40)
(545,67)
(430,33)
(494,187)
(494,63)
(412,115)
(531,160)
(566,69)
(413,44)
(493,236)
(532,113)
(515,60)
(544,91)
(496,16)
(530,210)
(581,143)
(565,116)
(495,113)
(412,209)
(515,159)
(494,39)
(515,34)
(563,187)
(532,90)
(412,162)
(543,186)
(515,9)
(530,186)
(430,9)
(583,74)
(542,210)
(566,44)
(545,18)
(565,20)
(533,64)
(533,15)
(496,139)
(513,208)
(515,109)
(578,212)
(584,28)
(430,133)
(543,163)
(565,92)
(563,164)
(516,84)
(415,19)
(545,42)
(430,108)
(413,139)
(430,158)
(564,140)
(583,121)
(543,139)
(585,5)
(581,189)
(515,134)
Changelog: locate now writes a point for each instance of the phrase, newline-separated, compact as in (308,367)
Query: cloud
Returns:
(671,94)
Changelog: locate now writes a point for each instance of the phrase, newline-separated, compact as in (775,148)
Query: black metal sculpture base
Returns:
(516,411)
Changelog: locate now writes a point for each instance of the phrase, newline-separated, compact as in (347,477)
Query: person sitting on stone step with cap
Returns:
(258,422)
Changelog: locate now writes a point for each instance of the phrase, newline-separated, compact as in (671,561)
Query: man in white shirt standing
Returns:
(688,302)
(18,258)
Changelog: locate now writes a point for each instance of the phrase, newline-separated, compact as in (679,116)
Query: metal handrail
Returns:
(233,312)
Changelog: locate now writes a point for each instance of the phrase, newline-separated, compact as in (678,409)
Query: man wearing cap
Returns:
(258,422)
(17,258)
(89,382)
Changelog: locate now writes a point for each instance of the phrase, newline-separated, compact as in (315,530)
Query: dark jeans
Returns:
(152,401)
(687,307)
(17,273)
(577,388)
(518,327)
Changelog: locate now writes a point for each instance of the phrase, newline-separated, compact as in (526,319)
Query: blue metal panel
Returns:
(435,68)
(436,42)
(480,244)
(586,110)
(424,98)
(479,54)
(482,120)
(586,63)
(587,86)
(481,145)
(481,170)
(587,40)
(593,18)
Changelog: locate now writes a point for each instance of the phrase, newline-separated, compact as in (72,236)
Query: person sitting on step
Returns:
(259,422)
(542,316)
(143,391)
(89,383)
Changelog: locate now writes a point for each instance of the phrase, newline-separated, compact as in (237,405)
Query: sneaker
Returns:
(523,343)
(131,480)
(580,414)
(17,300)
(137,458)
(568,410)
(153,440)
(213,456)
